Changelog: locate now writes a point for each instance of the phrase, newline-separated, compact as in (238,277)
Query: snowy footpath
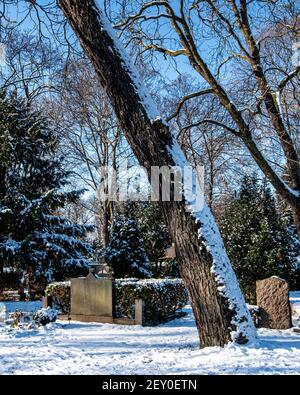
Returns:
(172,348)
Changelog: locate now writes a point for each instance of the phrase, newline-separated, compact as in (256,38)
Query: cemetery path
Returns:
(172,348)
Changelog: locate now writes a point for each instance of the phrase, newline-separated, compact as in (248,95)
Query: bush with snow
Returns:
(45,316)
(61,295)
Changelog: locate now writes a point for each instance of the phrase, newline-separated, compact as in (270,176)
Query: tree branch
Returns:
(212,121)
(185,99)
(288,78)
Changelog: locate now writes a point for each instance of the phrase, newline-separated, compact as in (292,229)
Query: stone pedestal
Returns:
(272,296)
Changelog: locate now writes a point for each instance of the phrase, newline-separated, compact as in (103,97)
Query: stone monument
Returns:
(272,296)
(91,299)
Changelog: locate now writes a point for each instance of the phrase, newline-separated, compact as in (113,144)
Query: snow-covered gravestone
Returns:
(272,296)
(2,312)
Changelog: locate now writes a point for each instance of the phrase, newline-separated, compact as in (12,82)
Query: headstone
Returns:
(272,296)
(91,297)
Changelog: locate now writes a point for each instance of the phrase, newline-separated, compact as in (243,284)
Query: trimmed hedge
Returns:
(162,298)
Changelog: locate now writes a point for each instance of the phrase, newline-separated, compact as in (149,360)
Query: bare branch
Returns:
(186,98)
(288,78)
(211,121)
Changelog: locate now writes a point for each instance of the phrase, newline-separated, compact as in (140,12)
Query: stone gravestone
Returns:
(272,296)
(91,299)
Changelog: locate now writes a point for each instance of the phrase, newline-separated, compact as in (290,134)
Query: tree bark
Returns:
(218,305)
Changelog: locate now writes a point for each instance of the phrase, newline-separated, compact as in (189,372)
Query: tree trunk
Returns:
(105,220)
(218,304)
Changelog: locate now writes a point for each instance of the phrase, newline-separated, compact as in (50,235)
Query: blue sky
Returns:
(18,13)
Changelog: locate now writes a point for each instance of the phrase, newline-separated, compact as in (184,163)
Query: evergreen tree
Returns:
(34,237)
(125,253)
(256,238)
(155,235)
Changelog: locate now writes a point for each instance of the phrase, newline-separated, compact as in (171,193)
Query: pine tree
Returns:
(34,237)
(125,253)
(257,239)
(155,235)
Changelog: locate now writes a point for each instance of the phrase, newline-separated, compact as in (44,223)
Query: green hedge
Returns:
(162,298)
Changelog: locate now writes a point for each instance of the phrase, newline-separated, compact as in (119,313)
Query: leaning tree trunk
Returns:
(218,304)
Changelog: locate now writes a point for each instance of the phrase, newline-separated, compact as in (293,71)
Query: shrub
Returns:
(162,298)
(61,295)
(45,316)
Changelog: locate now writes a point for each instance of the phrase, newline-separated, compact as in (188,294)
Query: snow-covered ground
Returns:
(295,302)
(172,348)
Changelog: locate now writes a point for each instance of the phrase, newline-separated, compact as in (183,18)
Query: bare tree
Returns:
(219,308)
(30,64)
(90,136)
(223,156)
(237,70)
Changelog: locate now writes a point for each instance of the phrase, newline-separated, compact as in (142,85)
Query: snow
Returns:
(155,282)
(2,312)
(295,304)
(11,246)
(45,315)
(295,299)
(172,348)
